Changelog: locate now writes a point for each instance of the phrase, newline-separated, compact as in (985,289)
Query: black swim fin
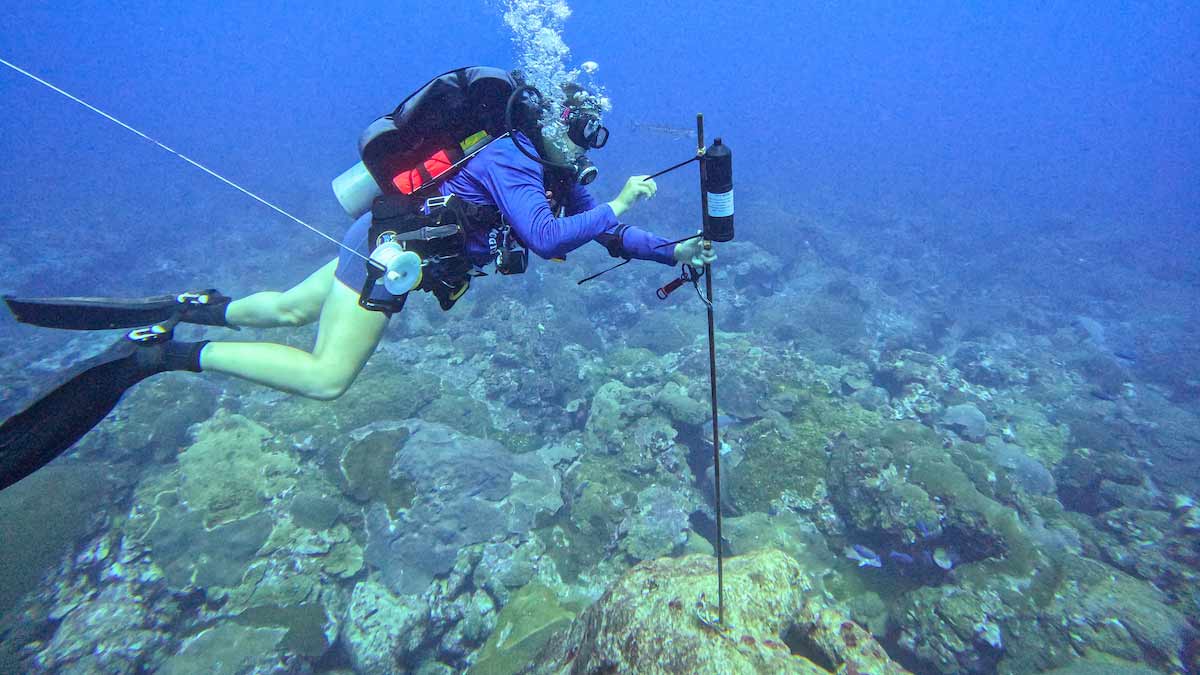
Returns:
(206,307)
(84,395)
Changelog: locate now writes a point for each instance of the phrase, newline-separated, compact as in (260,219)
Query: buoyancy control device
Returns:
(417,236)
(408,151)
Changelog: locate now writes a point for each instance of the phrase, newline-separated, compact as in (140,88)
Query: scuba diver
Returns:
(474,169)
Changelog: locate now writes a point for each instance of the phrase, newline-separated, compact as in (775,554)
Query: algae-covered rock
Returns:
(466,491)
(981,526)
(870,489)
(1074,606)
(476,618)
(786,456)
(460,412)
(229,649)
(314,512)
(1088,480)
(1097,666)
(953,630)
(783,531)
(44,516)
(674,400)
(661,618)
(111,631)
(1024,471)
(967,421)
(227,474)
(614,407)
(192,555)
(658,525)
(1031,428)
(980,365)
(382,631)
(1117,614)
(503,567)
(604,493)
(531,617)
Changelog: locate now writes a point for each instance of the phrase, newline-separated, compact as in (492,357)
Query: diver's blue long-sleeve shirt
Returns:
(502,176)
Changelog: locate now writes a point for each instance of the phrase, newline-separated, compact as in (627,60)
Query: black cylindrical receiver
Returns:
(717,168)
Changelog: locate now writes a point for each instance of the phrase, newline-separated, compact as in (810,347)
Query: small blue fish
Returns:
(725,422)
(862,555)
(923,529)
(900,556)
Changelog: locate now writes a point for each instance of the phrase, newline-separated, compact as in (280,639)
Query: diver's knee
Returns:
(295,317)
(326,395)
(328,387)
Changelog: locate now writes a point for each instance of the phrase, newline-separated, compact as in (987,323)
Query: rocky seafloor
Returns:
(928,466)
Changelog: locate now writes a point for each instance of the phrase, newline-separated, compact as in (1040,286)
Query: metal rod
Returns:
(673,167)
(680,241)
(712,382)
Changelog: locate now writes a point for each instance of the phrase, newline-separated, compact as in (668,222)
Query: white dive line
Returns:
(185,158)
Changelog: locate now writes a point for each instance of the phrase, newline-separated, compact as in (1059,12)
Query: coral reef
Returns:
(661,618)
(467,491)
(979,489)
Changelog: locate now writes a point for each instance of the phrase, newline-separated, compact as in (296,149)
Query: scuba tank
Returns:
(447,120)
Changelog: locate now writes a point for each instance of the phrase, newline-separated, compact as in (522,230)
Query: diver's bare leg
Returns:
(346,337)
(297,306)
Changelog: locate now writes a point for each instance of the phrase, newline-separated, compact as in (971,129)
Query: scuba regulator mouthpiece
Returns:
(585,171)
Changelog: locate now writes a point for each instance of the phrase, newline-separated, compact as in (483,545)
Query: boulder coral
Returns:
(661,617)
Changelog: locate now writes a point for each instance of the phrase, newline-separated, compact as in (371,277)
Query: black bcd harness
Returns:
(435,229)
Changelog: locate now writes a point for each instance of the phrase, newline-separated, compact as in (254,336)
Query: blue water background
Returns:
(999,115)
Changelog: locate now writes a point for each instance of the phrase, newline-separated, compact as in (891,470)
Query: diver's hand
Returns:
(637,187)
(695,252)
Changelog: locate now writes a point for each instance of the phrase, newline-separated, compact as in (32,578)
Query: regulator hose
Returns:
(513,99)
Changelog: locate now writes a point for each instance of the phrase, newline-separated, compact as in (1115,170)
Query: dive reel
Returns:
(400,269)
(419,245)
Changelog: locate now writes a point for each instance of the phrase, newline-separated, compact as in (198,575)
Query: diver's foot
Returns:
(205,308)
(167,355)
(84,394)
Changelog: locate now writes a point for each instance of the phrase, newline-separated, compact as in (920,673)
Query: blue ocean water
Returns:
(984,205)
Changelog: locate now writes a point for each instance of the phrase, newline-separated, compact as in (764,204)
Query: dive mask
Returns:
(584,128)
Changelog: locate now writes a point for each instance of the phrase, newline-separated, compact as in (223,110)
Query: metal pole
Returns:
(712,384)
